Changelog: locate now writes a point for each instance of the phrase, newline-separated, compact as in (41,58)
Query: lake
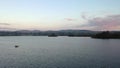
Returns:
(58,52)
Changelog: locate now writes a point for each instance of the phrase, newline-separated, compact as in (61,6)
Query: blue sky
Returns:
(57,14)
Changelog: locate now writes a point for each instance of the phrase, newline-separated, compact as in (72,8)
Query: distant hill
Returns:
(70,33)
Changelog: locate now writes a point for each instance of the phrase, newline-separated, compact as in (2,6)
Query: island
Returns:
(52,35)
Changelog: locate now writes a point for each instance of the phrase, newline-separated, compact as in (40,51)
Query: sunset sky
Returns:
(59,14)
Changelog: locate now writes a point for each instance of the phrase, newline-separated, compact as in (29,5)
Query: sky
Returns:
(59,14)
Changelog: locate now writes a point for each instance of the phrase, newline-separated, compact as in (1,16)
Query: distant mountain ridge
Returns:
(78,33)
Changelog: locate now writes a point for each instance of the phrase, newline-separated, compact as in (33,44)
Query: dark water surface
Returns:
(58,52)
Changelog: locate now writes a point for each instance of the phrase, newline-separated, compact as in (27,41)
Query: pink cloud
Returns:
(109,22)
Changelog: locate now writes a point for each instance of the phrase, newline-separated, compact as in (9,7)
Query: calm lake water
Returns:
(59,52)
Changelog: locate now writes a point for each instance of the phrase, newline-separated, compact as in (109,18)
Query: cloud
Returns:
(7,28)
(70,19)
(84,16)
(110,22)
(4,24)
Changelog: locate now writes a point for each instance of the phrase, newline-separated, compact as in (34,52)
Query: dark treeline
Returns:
(107,35)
